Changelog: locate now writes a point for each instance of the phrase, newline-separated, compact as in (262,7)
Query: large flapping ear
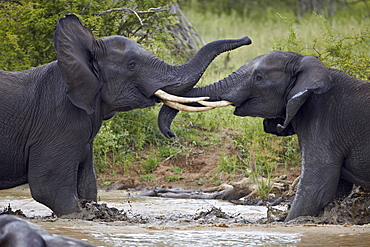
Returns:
(74,44)
(312,77)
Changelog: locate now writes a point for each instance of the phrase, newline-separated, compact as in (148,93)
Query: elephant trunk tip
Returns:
(247,40)
(169,134)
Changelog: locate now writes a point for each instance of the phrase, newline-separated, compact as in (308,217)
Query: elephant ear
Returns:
(74,45)
(312,77)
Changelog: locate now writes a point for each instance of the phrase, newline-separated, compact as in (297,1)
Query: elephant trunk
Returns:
(220,90)
(191,71)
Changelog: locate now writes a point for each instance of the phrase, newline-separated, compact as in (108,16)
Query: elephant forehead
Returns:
(121,43)
(282,57)
(258,63)
(254,63)
(275,59)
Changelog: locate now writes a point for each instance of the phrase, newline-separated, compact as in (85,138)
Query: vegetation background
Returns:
(211,147)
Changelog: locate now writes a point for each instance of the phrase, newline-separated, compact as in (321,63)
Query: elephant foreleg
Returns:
(317,188)
(53,181)
(57,193)
(86,178)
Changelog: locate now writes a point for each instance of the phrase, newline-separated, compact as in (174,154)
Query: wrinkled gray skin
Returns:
(51,114)
(326,108)
(17,232)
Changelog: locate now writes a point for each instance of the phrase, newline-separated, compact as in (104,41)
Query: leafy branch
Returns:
(128,10)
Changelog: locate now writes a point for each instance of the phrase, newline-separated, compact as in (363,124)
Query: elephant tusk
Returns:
(169,97)
(214,104)
(181,107)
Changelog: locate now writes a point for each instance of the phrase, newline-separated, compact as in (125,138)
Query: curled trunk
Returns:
(188,74)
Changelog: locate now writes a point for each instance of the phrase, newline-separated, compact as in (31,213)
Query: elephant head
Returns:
(120,72)
(273,86)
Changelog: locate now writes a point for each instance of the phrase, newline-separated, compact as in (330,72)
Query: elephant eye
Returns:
(131,65)
(259,77)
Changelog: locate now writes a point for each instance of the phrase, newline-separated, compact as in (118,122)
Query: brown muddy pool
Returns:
(183,222)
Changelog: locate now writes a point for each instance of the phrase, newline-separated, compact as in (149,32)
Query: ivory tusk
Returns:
(220,103)
(186,108)
(169,97)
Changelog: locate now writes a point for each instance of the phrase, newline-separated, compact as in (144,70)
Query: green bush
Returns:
(27,27)
(347,52)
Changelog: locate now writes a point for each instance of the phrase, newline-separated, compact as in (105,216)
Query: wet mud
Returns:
(353,209)
(101,212)
(122,218)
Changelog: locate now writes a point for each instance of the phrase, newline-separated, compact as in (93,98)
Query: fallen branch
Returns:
(185,194)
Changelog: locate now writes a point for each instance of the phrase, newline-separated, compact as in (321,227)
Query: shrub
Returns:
(27,27)
(347,52)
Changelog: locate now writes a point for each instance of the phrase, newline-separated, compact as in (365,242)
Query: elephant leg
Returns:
(53,180)
(86,178)
(317,186)
(59,194)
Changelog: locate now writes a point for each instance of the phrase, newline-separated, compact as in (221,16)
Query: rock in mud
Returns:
(9,210)
(94,211)
(216,215)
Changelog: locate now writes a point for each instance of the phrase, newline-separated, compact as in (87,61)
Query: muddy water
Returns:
(183,222)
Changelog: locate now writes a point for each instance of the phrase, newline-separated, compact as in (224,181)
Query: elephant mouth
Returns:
(137,101)
(241,108)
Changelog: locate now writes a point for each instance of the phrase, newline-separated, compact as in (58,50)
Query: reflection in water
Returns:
(201,238)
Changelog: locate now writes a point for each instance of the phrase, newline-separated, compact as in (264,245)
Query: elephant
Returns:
(326,108)
(15,231)
(50,114)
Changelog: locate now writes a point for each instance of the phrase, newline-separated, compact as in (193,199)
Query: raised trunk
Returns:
(217,91)
(188,74)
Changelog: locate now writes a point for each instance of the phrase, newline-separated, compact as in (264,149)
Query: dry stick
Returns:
(170,157)
(294,184)
(151,10)
(254,192)
(141,22)
(245,164)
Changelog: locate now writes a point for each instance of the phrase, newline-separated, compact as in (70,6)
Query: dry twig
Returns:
(128,10)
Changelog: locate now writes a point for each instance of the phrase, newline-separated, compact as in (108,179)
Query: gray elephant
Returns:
(327,109)
(16,232)
(51,114)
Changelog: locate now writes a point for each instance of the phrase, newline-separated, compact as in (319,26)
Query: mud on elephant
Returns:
(51,114)
(325,107)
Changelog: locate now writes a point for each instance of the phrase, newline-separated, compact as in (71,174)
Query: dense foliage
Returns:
(348,53)
(27,26)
